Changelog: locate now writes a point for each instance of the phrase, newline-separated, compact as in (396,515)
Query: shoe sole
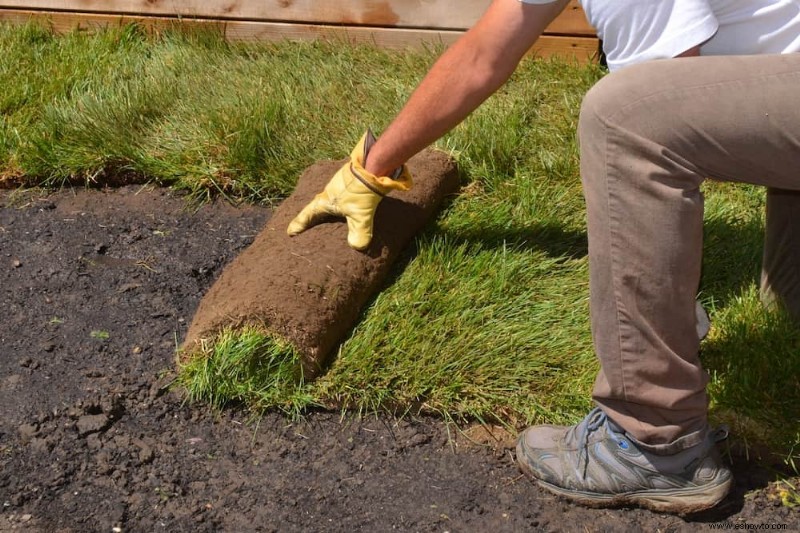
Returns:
(675,501)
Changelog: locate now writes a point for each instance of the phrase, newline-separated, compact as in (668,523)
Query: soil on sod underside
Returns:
(97,290)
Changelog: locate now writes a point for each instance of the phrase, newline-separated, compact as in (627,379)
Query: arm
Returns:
(462,78)
(466,74)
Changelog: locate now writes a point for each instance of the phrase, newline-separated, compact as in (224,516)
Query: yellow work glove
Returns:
(352,193)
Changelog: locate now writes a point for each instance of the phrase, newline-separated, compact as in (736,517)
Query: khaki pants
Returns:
(649,135)
(780,270)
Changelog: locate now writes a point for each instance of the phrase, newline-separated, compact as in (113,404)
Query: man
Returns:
(648,138)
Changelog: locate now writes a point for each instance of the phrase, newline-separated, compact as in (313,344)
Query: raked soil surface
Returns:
(97,289)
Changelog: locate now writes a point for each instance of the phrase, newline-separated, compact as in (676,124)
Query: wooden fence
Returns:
(388,23)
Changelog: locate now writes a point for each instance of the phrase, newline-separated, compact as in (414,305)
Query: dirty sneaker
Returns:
(596,463)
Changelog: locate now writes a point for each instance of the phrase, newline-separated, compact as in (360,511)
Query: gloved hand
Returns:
(352,193)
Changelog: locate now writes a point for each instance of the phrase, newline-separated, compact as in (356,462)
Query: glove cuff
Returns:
(381,185)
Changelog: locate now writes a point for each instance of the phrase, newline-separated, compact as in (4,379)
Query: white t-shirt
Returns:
(640,30)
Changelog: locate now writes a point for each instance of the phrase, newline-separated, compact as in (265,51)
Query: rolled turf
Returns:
(306,292)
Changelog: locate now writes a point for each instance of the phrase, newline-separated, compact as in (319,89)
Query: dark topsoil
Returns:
(97,291)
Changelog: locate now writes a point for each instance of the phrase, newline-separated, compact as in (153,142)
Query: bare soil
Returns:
(97,289)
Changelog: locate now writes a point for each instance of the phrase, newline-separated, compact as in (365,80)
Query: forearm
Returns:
(457,84)
(463,77)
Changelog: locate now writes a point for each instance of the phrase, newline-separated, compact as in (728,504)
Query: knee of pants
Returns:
(597,122)
(601,102)
(621,99)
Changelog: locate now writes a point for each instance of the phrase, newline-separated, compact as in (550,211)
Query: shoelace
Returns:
(594,420)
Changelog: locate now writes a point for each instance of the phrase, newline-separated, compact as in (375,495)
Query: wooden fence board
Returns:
(439,14)
(572,21)
(581,48)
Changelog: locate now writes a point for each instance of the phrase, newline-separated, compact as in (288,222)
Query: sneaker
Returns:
(596,463)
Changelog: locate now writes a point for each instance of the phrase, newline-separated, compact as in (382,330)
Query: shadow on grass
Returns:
(550,238)
(753,356)
(731,259)
(752,353)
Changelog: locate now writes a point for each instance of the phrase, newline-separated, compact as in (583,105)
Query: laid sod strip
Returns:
(490,316)
(754,359)
(187,109)
(310,289)
(752,354)
(474,329)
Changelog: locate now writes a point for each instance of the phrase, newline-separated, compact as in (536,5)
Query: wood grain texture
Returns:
(436,14)
(572,21)
(583,49)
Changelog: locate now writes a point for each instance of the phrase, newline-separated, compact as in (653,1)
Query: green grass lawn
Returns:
(487,315)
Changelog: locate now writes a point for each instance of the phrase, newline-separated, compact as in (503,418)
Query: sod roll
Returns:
(309,290)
